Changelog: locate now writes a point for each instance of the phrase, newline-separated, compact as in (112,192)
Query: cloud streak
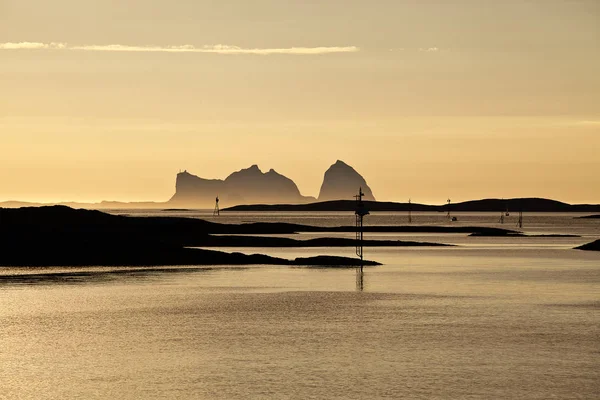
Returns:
(593,123)
(32,46)
(215,49)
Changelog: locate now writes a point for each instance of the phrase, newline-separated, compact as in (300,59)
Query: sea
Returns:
(488,318)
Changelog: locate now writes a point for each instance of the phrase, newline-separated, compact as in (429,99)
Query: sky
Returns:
(428,100)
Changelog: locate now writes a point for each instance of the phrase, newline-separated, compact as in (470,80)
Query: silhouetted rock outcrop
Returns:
(341,181)
(595,216)
(247,186)
(251,185)
(61,236)
(193,189)
(593,246)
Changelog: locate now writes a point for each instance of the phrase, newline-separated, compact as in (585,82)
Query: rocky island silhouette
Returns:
(252,186)
(340,182)
(250,189)
(247,186)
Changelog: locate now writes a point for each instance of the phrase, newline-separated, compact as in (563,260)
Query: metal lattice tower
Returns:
(216,210)
(360,213)
(409,211)
(448,214)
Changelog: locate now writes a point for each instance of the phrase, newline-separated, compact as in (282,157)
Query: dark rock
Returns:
(593,246)
(62,236)
(597,216)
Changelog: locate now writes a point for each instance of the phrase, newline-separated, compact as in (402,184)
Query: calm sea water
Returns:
(490,318)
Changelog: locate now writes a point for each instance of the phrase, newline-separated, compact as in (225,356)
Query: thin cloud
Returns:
(32,46)
(216,49)
(588,123)
(429,49)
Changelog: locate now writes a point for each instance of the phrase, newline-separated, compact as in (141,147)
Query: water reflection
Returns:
(360,279)
(80,277)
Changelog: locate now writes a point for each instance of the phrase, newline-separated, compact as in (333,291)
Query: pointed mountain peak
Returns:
(252,170)
(341,181)
(254,167)
(340,165)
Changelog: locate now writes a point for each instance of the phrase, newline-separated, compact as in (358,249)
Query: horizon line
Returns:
(99,202)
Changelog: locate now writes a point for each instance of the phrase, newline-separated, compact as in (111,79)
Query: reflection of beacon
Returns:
(216,211)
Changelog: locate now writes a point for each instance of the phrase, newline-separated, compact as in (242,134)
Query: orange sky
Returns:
(461,99)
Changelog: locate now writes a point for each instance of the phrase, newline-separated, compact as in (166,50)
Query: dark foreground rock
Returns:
(595,216)
(593,246)
(61,236)
(61,256)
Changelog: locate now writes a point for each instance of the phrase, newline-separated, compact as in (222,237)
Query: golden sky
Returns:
(108,100)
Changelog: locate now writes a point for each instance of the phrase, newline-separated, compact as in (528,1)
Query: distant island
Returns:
(532,204)
(246,186)
(250,189)
(341,181)
(484,205)
(252,186)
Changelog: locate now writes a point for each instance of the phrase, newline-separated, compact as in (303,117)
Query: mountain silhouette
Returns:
(254,186)
(191,189)
(247,186)
(341,181)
